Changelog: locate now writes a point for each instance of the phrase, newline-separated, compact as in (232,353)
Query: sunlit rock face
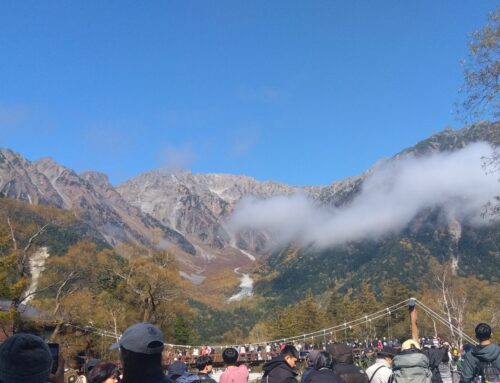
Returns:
(90,195)
(192,212)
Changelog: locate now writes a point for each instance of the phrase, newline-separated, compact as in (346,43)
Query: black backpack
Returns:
(487,372)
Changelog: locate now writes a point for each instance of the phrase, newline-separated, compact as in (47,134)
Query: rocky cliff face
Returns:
(20,179)
(198,205)
(190,211)
(90,195)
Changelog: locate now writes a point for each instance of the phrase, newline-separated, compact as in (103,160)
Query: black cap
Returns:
(388,351)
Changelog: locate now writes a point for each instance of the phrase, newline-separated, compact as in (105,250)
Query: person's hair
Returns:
(483,331)
(290,350)
(103,371)
(203,361)
(136,366)
(230,355)
(323,360)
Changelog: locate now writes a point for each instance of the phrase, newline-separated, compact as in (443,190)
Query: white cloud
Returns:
(391,197)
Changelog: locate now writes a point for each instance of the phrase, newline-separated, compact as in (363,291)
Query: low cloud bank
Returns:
(391,197)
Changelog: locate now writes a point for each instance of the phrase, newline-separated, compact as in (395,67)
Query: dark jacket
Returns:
(306,373)
(205,378)
(277,370)
(157,378)
(323,376)
(436,356)
(188,377)
(343,364)
(470,364)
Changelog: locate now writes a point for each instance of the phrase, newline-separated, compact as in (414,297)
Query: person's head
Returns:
(323,360)
(311,357)
(290,354)
(104,372)
(89,365)
(483,332)
(140,347)
(341,353)
(176,369)
(24,358)
(204,364)
(230,356)
(410,345)
(387,353)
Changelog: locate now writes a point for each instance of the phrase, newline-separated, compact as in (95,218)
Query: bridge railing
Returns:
(247,357)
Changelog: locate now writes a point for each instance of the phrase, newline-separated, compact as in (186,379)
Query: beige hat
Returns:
(410,343)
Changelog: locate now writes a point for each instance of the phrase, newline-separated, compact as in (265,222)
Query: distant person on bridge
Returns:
(282,368)
(234,372)
(482,363)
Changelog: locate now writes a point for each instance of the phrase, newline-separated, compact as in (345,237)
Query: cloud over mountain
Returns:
(391,196)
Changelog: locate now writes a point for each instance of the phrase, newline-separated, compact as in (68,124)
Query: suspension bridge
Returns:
(187,353)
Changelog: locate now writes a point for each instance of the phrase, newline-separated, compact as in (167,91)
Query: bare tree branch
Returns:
(22,263)
(34,236)
(12,234)
(22,299)
(60,290)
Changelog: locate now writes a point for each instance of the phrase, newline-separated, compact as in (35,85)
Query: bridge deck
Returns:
(251,358)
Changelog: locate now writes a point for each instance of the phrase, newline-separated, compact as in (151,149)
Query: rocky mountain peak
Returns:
(96,178)
(450,140)
(186,209)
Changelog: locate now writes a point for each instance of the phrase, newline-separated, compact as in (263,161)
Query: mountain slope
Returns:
(198,204)
(191,211)
(434,232)
(90,195)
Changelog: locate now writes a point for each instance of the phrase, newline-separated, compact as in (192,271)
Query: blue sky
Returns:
(302,92)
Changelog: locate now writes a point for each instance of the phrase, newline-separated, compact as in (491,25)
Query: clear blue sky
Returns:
(303,92)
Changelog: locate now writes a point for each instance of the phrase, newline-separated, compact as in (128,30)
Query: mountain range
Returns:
(190,213)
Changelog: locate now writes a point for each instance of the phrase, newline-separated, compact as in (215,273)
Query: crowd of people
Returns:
(26,358)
